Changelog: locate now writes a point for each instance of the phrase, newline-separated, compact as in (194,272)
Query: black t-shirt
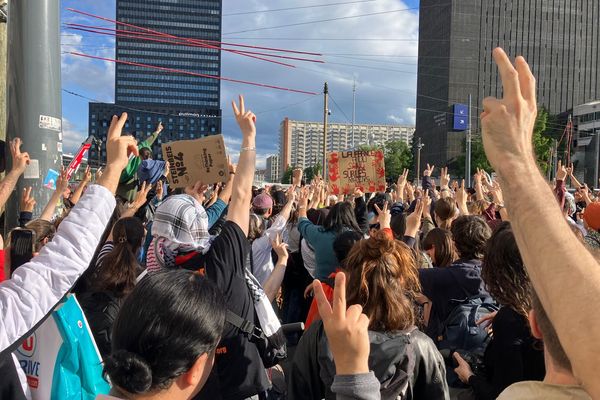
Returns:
(238,372)
(442,285)
(512,356)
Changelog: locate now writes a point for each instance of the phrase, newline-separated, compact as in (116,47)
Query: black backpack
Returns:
(459,330)
(460,333)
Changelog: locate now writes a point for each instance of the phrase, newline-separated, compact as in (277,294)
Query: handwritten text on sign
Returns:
(202,160)
(349,170)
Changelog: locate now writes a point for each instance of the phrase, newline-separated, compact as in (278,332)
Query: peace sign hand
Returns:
(245,119)
(347,329)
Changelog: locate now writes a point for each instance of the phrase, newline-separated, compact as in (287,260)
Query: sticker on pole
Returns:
(50,123)
(33,170)
(51,178)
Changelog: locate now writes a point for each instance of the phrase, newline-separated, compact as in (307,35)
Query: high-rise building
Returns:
(273,171)
(301,142)
(188,106)
(559,38)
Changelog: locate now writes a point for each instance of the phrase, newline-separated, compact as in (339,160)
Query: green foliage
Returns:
(287,176)
(397,157)
(542,146)
(311,172)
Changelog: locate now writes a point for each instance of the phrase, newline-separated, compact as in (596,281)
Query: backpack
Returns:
(459,332)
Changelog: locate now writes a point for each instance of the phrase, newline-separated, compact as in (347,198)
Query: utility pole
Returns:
(34,91)
(325,115)
(353,111)
(597,138)
(469,139)
(419,147)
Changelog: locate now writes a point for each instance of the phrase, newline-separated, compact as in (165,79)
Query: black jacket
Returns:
(459,281)
(406,363)
(101,310)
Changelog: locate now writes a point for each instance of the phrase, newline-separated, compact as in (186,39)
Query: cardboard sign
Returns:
(349,170)
(202,160)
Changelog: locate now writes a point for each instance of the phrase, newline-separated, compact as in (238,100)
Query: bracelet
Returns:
(301,207)
(231,173)
(248,149)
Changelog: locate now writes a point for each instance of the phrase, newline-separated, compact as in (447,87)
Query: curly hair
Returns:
(383,278)
(503,271)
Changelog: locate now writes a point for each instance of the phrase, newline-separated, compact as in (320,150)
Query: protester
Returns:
(37,286)
(340,218)
(382,278)
(439,246)
(513,354)
(114,277)
(128,183)
(165,337)
(559,263)
(559,382)
(462,279)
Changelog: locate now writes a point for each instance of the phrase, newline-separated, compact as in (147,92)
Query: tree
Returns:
(542,146)
(397,157)
(311,172)
(287,176)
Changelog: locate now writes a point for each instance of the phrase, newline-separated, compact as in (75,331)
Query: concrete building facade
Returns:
(301,142)
(559,38)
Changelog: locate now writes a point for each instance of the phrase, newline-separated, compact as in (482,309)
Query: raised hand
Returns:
(384,216)
(62,183)
(245,119)
(141,196)
(461,199)
(508,123)
(197,191)
(87,175)
(20,160)
(413,221)
(444,178)
(27,201)
(561,172)
(118,148)
(280,249)
(159,127)
(402,179)
(98,173)
(347,330)
(429,170)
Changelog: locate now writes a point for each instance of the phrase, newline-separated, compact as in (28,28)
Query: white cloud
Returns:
(73,136)
(92,76)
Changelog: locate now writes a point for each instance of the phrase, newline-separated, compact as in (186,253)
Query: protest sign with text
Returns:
(349,170)
(202,160)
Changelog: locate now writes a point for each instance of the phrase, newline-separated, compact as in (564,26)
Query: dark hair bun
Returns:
(128,371)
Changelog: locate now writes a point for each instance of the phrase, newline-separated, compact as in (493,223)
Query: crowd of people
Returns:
(418,292)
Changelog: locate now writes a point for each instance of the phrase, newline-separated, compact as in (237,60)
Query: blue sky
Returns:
(384,69)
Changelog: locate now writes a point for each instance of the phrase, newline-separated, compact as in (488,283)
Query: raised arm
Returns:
(558,264)
(19,163)
(152,138)
(36,287)
(87,177)
(242,184)
(61,185)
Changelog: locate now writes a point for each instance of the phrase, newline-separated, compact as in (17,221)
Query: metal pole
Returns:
(419,147)
(34,90)
(469,137)
(353,111)
(325,115)
(597,134)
